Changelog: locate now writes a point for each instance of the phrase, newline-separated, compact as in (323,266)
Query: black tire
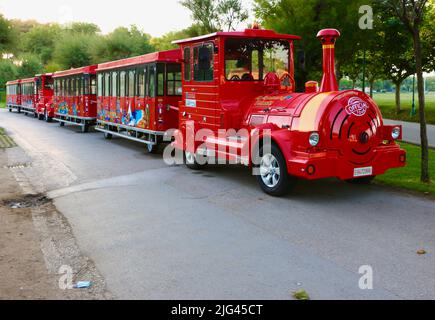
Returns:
(191,162)
(47,118)
(35,115)
(62,124)
(363,180)
(85,128)
(279,184)
(108,136)
(19,110)
(40,116)
(10,109)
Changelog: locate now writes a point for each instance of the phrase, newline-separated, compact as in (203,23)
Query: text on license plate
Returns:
(362,172)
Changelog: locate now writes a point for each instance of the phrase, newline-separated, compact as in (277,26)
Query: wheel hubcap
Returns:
(269,170)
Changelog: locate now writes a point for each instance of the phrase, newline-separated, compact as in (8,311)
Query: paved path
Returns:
(167,232)
(411,131)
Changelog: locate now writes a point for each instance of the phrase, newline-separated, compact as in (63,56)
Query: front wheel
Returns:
(363,180)
(272,172)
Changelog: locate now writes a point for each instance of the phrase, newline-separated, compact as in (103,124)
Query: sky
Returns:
(155,17)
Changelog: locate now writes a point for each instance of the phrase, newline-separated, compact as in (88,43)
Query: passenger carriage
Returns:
(28,95)
(138,97)
(75,97)
(13,95)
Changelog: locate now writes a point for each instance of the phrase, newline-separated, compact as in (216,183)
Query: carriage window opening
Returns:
(203,62)
(114,84)
(107,84)
(146,70)
(252,59)
(122,84)
(187,70)
(152,81)
(93,84)
(141,82)
(173,79)
(160,79)
(131,76)
(100,84)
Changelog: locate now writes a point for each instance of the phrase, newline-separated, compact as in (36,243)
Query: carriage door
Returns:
(150,99)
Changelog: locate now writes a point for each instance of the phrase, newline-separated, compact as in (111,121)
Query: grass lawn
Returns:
(386,101)
(409,176)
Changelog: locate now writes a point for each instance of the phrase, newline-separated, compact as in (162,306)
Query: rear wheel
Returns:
(40,116)
(10,109)
(35,115)
(107,136)
(47,118)
(272,176)
(85,128)
(19,110)
(191,161)
(62,124)
(363,180)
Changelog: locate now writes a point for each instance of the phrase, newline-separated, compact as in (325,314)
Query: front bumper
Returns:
(329,164)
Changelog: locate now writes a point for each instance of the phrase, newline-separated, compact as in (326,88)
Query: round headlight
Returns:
(395,133)
(314,139)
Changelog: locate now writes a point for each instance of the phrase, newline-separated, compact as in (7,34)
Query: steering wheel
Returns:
(247,77)
(235,77)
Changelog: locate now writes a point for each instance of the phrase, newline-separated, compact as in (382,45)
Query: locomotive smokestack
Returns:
(328,37)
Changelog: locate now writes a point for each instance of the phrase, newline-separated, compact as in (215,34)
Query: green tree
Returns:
(84,28)
(41,40)
(6,35)
(122,43)
(214,15)
(165,42)
(74,50)
(8,71)
(30,65)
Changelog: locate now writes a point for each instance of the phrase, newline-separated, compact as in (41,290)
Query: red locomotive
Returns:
(44,99)
(245,81)
(231,95)
(75,99)
(136,95)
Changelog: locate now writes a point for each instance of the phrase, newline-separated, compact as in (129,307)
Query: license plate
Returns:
(362,172)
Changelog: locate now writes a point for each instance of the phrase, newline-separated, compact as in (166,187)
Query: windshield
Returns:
(252,59)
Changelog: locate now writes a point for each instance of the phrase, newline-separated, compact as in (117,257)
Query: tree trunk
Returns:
(371,82)
(398,108)
(421,108)
(353,84)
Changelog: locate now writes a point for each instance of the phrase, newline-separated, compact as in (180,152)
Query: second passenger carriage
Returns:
(137,97)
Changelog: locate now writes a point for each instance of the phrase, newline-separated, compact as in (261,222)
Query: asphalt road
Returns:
(159,232)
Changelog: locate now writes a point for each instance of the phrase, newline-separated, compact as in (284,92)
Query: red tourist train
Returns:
(75,100)
(229,92)
(136,97)
(28,95)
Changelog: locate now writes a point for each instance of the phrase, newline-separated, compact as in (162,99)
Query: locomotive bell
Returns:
(328,38)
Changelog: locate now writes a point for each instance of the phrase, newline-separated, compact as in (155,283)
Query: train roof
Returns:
(13,82)
(45,74)
(247,33)
(161,56)
(87,70)
(28,80)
